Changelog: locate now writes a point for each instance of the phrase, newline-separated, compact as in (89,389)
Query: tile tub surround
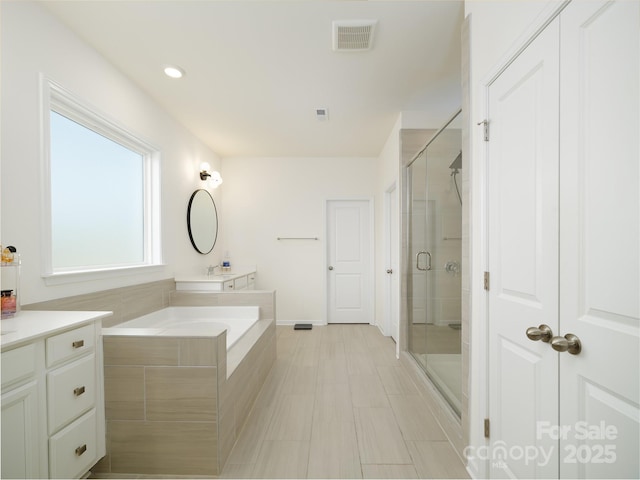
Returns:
(170,408)
(235,395)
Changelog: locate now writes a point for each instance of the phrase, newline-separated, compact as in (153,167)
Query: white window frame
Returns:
(56,98)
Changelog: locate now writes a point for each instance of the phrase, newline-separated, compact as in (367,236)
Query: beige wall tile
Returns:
(166,448)
(124,393)
(198,351)
(140,351)
(181,394)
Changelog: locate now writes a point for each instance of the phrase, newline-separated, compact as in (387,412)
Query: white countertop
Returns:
(232,275)
(28,325)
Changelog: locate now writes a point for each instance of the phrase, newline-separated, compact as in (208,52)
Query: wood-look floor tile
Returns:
(360,362)
(367,391)
(334,451)
(389,471)
(306,357)
(282,459)
(379,438)
(436,460)
(333,333)
(300,380)
(396,381)
(292,418)
(238,470)
(415,419)
(333,371)
(250,439)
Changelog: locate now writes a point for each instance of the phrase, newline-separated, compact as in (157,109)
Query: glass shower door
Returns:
(435,246)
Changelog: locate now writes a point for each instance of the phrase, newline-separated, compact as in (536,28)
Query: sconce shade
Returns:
(213,177)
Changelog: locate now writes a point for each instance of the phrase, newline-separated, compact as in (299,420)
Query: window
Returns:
(102,190)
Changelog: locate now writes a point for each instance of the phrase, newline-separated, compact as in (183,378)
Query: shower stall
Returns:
(433,257)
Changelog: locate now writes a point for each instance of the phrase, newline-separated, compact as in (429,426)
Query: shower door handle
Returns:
(428,267)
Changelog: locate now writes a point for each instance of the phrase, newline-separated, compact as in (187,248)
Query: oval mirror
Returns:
(202,221)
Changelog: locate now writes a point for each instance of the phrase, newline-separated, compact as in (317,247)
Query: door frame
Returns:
(392,257)
(371,280)
(476,452)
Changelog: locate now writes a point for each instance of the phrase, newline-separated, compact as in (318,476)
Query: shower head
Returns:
(457,163)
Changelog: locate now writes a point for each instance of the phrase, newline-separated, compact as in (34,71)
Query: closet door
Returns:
(523,258)
(599,239)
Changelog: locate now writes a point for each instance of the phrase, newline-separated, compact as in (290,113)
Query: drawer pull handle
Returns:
(81,450)
(78,391)
(78,344)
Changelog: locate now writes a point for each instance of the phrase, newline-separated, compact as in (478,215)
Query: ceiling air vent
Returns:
(353,35)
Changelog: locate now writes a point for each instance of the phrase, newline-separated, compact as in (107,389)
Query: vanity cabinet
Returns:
(52,401)
(242,279)
(21,429)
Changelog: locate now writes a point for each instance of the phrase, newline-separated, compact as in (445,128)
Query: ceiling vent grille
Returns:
(353,35)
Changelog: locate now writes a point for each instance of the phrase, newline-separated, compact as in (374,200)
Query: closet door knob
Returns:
(569,343)
(389,271)
(543,332)
(330,267)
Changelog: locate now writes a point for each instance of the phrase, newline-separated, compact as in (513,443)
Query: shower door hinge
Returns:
(487,428)
(485,124)
(486,280)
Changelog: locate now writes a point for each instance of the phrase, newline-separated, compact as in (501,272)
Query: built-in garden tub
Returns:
(179,385)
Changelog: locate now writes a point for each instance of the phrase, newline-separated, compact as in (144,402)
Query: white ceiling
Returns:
(257,70)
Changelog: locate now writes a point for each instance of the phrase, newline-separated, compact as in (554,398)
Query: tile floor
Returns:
(338,404)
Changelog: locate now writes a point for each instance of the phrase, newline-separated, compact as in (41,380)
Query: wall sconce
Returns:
(213,177)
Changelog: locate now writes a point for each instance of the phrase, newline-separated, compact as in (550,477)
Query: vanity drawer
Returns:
(73,450)
(18,364)
(71,390)
(228,286)
(240,283)
(70,344)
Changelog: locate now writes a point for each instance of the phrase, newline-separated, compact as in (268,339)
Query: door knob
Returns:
(330,267)
(569,343)
(389,270)
(543,332)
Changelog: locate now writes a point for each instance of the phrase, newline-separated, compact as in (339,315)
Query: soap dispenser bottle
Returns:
(226,263)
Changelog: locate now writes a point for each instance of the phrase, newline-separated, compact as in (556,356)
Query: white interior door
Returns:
(580,206)
(599,239)
(349,257)
(523,255)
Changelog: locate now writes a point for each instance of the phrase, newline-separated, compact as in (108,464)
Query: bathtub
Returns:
(184,376)
(180,321)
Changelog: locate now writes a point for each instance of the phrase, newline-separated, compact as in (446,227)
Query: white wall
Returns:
(497,30)
(267,198)
(388,175)
(34,42)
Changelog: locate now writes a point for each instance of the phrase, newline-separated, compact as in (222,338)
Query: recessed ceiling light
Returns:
(173,71)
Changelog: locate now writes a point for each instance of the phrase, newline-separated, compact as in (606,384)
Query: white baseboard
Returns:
(293,322)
